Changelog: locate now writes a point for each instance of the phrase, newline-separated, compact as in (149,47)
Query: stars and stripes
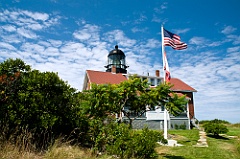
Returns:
(173,40)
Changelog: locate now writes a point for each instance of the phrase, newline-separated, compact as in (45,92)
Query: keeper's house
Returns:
(116,73)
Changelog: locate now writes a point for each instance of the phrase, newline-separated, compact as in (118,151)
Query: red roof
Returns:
(179,85)
(99,77)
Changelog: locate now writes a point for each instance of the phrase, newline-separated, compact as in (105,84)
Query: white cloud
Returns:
(158,19)
(9,28)
(26,33)
(180,31)
(234,38)
(216,80)
(142,18)
(55,43)
(118,37)
(11,38)
(198,40)
(7,46)
(234,49)
(36,15)
(32,48)
(136,29)
(82,35)
(228,30)
(24,21)
(161,9)
(153,43)
(87,32)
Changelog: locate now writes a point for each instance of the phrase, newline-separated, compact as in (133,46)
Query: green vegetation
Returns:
(36,104)
(222,147)
(42,117)
(102,100)
(38,108)
(185,137)
(234,129)
(215,127)
(215,121)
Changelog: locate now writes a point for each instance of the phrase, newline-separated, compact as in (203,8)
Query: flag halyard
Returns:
(173,40)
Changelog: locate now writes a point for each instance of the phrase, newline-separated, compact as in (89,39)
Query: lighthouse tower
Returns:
(116,61)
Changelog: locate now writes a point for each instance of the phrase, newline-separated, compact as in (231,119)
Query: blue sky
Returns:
(71,36)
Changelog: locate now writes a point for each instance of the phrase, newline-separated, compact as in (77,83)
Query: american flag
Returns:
(173,40)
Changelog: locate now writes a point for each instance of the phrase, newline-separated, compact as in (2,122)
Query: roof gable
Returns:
(179,85)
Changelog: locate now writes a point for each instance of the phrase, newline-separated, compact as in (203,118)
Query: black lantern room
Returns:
(116,61)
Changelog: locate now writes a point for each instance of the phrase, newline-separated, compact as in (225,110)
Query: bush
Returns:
(215,127)
(183,126)
(176,127)
(124,142)
(215,121)
(143,143)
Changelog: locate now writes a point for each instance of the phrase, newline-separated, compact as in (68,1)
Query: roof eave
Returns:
(180,90)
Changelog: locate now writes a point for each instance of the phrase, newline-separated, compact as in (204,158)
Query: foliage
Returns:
(215,127)
(215,120)
(132,95)
(183,126)
(39,107)
(144,143)
(218,148)
(162,95)
(40,103)
(118,139)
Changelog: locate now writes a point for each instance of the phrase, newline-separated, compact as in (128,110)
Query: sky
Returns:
(72,36)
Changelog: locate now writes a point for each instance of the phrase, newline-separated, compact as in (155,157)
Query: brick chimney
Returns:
(114,69)
(157,73)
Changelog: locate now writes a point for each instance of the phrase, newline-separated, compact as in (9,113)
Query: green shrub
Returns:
(143,143)
(39,103)
(183,126)
(176,126)
(215,127)
(120,140)
(214,121)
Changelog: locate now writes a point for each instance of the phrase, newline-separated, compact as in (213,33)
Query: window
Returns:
(158,81)
(152,81)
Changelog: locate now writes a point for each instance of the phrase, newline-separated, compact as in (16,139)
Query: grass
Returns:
(11,151)
(234,129)
(222,147)
(225,147)
(184,137)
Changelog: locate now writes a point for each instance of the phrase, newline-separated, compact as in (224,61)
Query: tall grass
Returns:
(60,150)
(10,150)
(222,148)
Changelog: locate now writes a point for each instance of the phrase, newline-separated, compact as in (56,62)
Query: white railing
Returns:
(156,115)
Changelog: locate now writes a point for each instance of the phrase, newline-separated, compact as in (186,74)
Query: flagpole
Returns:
(164,80)
(163,50)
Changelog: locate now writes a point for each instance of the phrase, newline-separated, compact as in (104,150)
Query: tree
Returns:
(38,102)
(11,72)
(133,95)
(215,127)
